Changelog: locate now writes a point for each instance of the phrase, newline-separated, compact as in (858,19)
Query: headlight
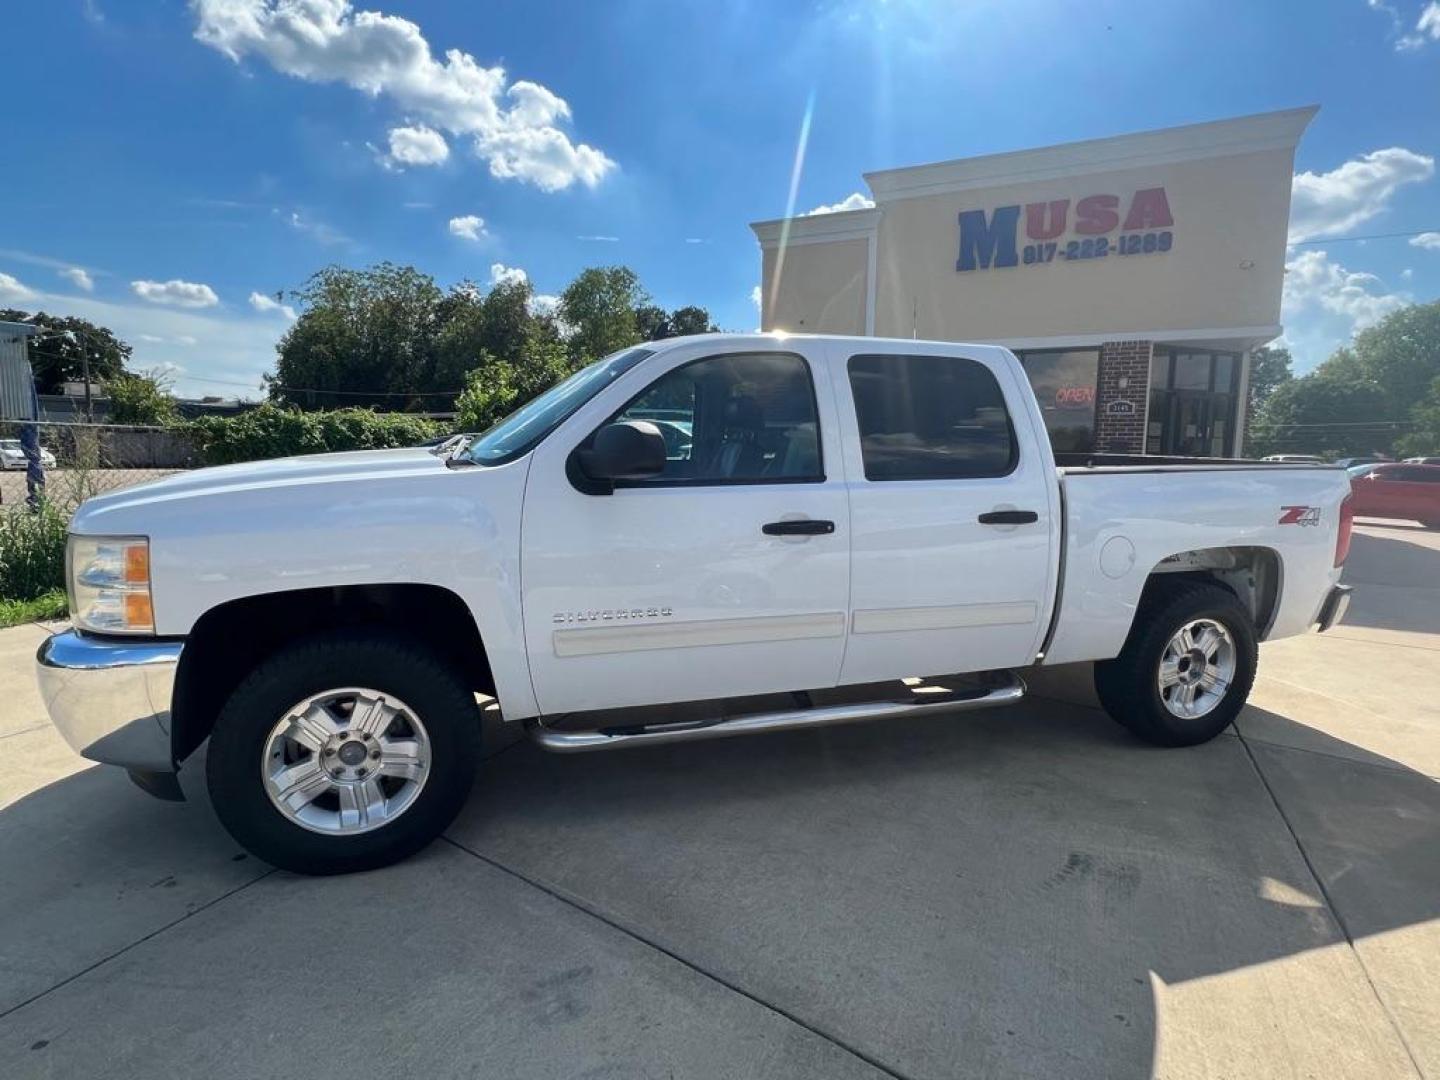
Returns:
(108,579)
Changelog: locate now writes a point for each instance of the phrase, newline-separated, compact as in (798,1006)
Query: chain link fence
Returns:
(80,460)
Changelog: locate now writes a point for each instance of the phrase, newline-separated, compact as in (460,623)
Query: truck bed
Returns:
(1068,463)
(1126,516)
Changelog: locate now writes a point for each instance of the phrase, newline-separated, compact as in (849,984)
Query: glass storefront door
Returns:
(1192,403)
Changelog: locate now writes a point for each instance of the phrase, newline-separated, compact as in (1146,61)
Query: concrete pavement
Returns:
(1022,892)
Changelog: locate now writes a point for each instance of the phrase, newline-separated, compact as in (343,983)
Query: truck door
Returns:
(952,512)
(724,576)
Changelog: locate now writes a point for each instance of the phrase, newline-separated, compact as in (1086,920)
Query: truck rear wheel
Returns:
(1186,668)
(343,752)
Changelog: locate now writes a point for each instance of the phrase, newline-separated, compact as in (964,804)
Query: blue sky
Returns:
(168,160)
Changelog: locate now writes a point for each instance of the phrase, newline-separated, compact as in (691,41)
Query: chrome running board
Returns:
(1008,691)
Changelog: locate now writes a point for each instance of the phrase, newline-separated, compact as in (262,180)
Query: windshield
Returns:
(522,430)
(1361,470)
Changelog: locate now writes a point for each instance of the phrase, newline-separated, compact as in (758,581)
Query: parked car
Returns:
(1422,461)
(1294,459)
(1351,462)
(1399,490)
(12,455)
(850,512)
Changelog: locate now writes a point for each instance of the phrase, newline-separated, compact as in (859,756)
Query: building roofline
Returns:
(19,329)
(818,228)
(1216,138)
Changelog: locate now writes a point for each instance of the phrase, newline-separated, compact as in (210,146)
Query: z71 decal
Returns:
(1300,515)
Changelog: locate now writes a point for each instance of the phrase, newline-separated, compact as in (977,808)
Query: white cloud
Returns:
(1313,280)
(236,349)
(1353,193)
(1430,241)
(755,297)
(853,201)
(514,125)
(468,227)
(696,240)
(544,304)
(418,205)
(419,145)
(599,239)
(13,291)
(500,274)
(325,234)
(78,277)
(1324,304)
(185,294)
(1427,29)
(268,304)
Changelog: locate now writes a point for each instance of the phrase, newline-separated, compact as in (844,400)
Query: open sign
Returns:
(1074,397)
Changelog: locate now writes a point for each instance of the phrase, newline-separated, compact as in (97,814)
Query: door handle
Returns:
(1009,517)
(799,527)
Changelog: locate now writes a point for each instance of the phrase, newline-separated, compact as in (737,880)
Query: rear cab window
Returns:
(923,417)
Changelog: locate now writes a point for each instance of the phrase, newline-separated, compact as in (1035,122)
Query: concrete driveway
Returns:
(1024,892)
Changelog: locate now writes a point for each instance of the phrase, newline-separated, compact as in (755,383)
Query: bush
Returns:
(270,432)
(32,552)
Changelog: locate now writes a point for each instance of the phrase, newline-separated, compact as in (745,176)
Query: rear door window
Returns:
(930,418)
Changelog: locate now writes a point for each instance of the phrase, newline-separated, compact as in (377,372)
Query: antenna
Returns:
(915,320)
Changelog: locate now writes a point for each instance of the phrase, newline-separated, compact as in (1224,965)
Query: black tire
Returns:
(370,659)
(1128,685)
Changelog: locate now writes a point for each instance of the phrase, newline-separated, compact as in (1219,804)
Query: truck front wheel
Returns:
(1186,668)
(343,752)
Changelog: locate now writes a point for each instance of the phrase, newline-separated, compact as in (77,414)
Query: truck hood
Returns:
(252,478)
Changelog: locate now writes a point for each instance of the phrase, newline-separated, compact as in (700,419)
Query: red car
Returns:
(1399,490)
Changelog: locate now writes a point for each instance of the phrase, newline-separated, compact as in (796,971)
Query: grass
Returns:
(50,605)
(32,564)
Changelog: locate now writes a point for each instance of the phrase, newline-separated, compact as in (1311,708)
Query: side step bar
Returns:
(1007,692)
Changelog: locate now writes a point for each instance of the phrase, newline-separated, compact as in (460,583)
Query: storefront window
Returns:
(1192,403)
(1064,381)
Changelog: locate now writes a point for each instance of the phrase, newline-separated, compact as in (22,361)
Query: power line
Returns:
(293,389)
(1371,236)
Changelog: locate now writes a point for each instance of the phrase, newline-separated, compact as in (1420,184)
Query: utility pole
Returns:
(85,363)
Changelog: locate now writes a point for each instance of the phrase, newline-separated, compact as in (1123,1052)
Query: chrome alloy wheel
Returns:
(1196,668)
(346,761)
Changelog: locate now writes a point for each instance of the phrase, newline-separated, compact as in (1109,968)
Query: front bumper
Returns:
(1337,602)
(110,697)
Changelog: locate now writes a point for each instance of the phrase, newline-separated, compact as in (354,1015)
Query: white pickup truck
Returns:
(689,539)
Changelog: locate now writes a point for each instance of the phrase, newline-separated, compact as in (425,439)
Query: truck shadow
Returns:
(1397,583)
(996,893)
(1005,893)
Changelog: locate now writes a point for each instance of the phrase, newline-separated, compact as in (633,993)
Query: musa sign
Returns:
(991,241)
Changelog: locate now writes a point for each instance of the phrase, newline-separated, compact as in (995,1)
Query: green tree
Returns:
(1424,436)
(59,355)
(599,308)
(1269,370)
(140,398)
(1322,414)
(654,323)
(489,395)
(691,320)
(365,337)
(1399,356)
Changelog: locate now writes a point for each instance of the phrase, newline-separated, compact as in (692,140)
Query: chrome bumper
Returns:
(110,698)
(1335,606)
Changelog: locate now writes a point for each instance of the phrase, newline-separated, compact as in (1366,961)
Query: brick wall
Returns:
(1124,377)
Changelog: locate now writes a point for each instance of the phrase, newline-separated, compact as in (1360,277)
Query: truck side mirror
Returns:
(628,450)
